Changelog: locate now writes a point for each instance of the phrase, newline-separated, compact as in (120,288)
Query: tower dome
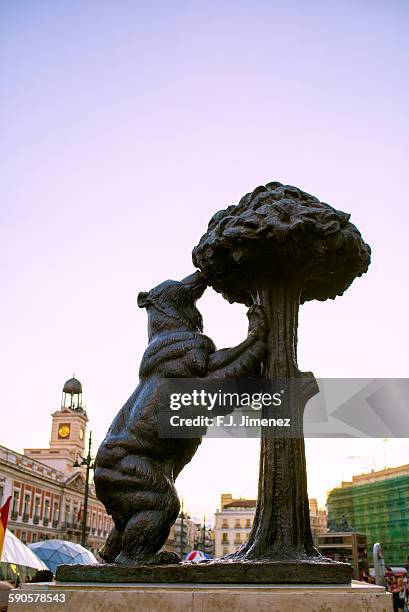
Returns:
(72,394)
(72,386)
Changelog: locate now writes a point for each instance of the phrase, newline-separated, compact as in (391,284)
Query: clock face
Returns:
(64,430)
(81,434)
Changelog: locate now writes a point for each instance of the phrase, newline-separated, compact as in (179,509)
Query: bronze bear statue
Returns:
(135,470)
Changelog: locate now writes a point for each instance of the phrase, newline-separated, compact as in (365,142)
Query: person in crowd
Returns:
(393,588)
(401,589)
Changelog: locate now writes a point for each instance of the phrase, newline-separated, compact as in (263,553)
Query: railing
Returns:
(25,517)
(14,514)
(71,525)
(55,523)
(31,464)
(36,519)
(45,521)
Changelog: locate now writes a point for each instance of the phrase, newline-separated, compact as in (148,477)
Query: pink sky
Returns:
(124,127)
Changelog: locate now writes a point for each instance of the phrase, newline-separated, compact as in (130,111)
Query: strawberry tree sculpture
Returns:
(280,247)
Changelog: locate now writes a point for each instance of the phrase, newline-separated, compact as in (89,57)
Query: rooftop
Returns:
(240,503)
(374,476)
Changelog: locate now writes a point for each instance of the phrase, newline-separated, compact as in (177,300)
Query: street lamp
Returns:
(204,534)
(88,462)
(182,535)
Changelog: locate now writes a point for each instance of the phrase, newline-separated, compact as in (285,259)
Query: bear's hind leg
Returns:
(145,533)
(112,546)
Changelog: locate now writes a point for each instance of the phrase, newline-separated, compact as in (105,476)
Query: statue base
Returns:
(92,597)
(234,572)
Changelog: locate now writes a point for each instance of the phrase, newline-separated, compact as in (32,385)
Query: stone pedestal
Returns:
(317,571)
(92,597)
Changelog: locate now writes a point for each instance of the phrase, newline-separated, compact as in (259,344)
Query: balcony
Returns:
(65,525)
(25,517)
(14,514)
(55,523)
(45,521)
(225,542)
(72,526)
(36,519)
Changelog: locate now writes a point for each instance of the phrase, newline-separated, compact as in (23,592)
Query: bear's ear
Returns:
(143,299)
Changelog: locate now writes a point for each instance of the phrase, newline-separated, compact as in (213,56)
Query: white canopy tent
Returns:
(18,560)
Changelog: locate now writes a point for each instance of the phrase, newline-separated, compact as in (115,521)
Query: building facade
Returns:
(181,539)
(318,520)
(187,535)
(204,539)
(376,504)
(46,488)
(233,523)
(234,520)
(347,547)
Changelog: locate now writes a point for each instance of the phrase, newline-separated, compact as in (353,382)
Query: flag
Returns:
(4,517)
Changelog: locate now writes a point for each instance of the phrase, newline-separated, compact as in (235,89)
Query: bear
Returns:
(135,470)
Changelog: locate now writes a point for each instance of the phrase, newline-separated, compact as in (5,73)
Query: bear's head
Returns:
(172,305)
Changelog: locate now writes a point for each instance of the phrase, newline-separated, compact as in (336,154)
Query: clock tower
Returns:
(68,431)
(69,423)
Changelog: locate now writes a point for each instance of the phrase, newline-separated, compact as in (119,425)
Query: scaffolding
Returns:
(379,509)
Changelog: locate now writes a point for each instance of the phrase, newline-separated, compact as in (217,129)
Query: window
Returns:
(248,524)
(36,507)
(34,537)
(75,512)
(56,513)
(225,524)
(46,511)
(238,524)
(14,509)
(26,509)
(225,538)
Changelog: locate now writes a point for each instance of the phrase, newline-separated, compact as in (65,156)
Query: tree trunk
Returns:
(281,528)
